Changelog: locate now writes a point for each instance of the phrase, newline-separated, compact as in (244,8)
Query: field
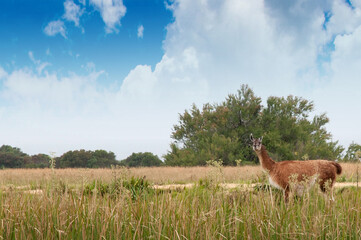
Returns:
(121,203)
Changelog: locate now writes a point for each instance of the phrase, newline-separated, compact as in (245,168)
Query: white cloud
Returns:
(209,53)
(46,113)
(31,56)
(39,65)
(3,73)
(340,95)
(111,12)
(140,31)
(344,19)
(72,12)
(55,27)
(210,49)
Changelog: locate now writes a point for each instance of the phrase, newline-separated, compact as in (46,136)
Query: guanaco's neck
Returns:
(266,162)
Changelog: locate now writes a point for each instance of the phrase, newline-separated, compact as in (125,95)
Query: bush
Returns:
(146,159)
(135,186)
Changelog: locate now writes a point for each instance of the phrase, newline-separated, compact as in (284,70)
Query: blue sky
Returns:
(114,75)
(22,30)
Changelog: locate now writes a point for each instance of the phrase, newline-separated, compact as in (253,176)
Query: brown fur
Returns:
(281,173)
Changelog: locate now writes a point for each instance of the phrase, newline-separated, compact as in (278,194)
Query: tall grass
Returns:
(201,212)
(156,175)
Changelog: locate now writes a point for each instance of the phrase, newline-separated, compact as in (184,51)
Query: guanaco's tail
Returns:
(338,167)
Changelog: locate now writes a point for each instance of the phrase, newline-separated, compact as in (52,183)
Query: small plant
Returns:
(238,162)
(52,167)
(96,187)
(262,187)
(262,178)
(204,183)
(61,187)
(215,163)
(215,175)
(342,178)
(119,172)
(52,161)
(358,158)
(137,186)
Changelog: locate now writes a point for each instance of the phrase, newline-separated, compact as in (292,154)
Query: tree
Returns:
(102,158)
(221,131)
(140,159)
(86,159)
(12,150)
(290,134)
(11,157)
(353,153)
(216,132)
(37,161)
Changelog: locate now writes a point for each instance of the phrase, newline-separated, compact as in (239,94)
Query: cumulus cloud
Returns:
(339,94)
(44,113)
(111,12)
(344,19)
(72,12)
(210,53)
(50,111)
(3,73)
(211,48)
(55,27)
(140,31)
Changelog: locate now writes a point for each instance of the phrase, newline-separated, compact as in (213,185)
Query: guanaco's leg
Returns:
(327,185)
(286,192)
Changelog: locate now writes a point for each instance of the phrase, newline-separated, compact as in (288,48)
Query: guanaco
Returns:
(281,174)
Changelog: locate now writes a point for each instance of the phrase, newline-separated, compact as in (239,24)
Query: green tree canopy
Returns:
(11,157)
(145,159)
(221,131)
(353,153)
(86,159)
(12,150)
(37,161)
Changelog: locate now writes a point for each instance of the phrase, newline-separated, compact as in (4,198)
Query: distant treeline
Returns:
(220,131)
(13,157)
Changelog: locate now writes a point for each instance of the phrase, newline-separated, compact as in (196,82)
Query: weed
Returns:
(215,174)
(137,186)
(96,187)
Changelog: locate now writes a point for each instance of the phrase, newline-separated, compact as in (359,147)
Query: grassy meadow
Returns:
(121,204)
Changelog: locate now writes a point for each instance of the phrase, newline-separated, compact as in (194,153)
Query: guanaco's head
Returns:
(256,143)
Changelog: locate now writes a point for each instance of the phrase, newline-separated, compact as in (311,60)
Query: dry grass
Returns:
(349,171)
(164,175)
(156,175)
(42,204)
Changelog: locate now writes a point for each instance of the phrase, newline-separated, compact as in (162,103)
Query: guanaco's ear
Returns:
(251,137)
(260,139)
